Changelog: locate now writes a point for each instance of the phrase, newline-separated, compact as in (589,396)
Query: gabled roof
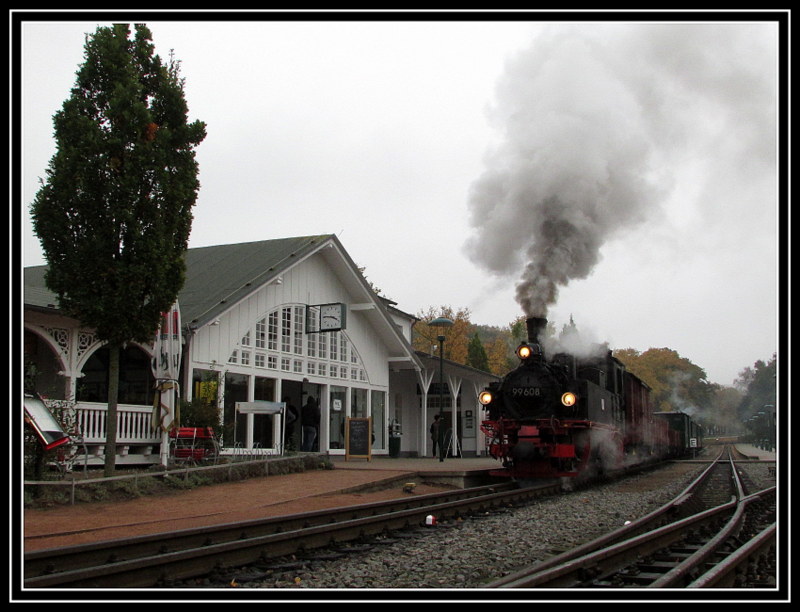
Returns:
(36,293)
(218,277)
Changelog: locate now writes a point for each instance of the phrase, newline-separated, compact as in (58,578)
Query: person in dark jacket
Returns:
(435,433)
(310,420)
(291,419)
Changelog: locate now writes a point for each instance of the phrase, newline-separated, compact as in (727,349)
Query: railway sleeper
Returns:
(642,578)
(644,571)
(673,555)
(684,550)
(654,566)
(627,577)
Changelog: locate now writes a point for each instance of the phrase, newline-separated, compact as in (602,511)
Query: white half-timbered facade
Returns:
(260,324)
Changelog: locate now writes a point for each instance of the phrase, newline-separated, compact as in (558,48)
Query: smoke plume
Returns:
(593,120)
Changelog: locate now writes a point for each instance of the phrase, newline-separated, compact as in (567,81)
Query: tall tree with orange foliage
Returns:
(457,337)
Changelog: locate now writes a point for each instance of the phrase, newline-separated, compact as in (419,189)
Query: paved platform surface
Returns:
(356,480)
(753,451)
(350,482)
(416,464)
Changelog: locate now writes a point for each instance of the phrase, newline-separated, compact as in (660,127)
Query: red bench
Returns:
(192,443)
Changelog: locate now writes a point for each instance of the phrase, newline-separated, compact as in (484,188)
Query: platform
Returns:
(458,471)
(350,481)
(755,452)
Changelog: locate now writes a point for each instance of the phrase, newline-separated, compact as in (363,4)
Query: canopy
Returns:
(260,407)
(264,407)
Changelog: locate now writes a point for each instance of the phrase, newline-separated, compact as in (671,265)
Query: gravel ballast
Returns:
(472,552)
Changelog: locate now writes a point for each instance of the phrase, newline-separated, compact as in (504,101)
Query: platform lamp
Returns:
(772,432)
(441,322)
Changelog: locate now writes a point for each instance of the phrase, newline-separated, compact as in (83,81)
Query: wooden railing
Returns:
(133,423)
(137,441)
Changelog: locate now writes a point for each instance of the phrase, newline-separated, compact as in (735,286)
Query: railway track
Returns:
(716,533)
(166,558)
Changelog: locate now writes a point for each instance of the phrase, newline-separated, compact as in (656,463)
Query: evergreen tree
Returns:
(115,212)
(760,389)
(476,354)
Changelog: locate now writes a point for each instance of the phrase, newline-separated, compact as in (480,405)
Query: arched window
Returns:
(42,365)
(136,380)
(278,341)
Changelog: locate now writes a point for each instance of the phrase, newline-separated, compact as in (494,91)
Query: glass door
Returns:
(235,426)
(263,434)
(379,424)
(337,415)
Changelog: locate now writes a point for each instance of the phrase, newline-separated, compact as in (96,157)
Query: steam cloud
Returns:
(594,120)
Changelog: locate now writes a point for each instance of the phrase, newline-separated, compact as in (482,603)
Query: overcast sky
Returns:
(435,151)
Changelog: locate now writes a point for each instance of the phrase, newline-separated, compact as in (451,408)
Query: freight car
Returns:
(684,436)
(570,416)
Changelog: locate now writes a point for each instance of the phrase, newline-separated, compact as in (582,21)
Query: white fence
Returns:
(133,423)
(137,440)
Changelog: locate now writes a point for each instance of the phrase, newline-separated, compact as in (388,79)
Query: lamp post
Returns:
(769,411)
(441,322)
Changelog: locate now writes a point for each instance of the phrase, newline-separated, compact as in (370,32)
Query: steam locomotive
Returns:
(575,417)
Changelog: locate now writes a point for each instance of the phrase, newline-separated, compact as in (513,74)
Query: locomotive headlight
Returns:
(569,399)
(524,351)
(485,398)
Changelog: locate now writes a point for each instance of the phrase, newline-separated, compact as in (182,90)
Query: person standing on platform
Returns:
(310,419)
(291,419)
(435,433)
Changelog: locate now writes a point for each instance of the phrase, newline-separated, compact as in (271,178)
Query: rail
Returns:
(632,554)
(159,559)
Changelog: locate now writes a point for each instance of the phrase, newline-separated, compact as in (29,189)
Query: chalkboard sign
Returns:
(358,438)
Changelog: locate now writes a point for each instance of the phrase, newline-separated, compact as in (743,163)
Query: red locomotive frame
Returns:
(558,448)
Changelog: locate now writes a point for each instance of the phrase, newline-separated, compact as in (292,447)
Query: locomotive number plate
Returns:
(525,392)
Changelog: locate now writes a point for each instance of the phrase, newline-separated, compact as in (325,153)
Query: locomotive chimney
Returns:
(536,326)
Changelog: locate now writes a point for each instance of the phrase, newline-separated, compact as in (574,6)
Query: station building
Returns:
(259,323)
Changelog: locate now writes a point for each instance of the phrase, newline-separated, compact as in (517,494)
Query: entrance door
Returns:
(337,415)
(292,394)
(263,434)
(379,424)
(310,393)
(235,432)
(296,393)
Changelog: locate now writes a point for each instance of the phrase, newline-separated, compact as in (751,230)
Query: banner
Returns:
(166,361)
(165,364)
